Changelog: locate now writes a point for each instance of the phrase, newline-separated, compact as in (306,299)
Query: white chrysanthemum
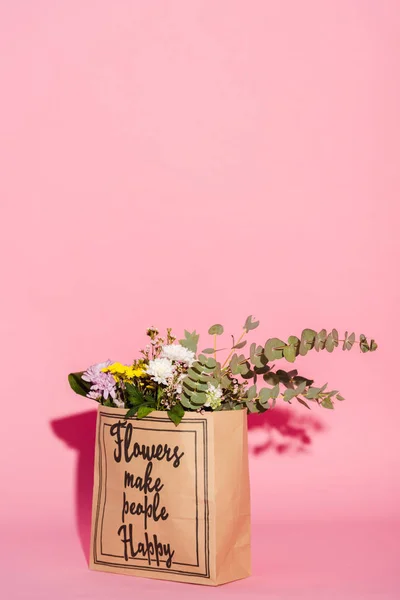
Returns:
(161,370)
(214,396)
(178,353)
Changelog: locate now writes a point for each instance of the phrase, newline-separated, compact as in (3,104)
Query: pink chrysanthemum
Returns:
(102,383)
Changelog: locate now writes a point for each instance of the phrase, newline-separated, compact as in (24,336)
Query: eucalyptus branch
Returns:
(265,398)
(175,377)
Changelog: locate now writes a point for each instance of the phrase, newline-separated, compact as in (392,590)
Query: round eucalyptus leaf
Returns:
(252,392)
(216,329)
(265,395)
(330,343)
(211,363)
(308,335)
(198,398)
(274,348)
(289,352)
(189,385)
(304,347)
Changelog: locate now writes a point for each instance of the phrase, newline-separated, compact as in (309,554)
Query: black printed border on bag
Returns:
(100,510)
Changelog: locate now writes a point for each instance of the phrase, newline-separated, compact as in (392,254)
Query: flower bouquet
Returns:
(171,489)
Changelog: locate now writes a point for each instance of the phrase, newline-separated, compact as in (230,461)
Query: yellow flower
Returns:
(121,371)
(138,372)
(116,369)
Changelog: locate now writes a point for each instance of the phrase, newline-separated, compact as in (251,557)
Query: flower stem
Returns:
(233,349)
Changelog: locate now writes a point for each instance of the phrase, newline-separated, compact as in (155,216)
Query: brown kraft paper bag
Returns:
(172,502)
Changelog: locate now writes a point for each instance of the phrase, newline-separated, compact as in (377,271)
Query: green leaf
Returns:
(190,341)
(304,347)
(345,340)
(176,414)
(234,364)
(373,346)
(265,396)
(244,366)
(135,396)
(309,335)
(252,406)
(143,411)
(275,392)
(198,398)
(240,345)
(216,329)
(259,359)
(195,386)
(208,351)
(131,412)
(330,344)
(250,324)
(289,352)
(289,395)
(271,348)
(211,363)
(252,392)
(189,386)
(301,387)
(364,347)
(320,340)
(307,341)
(303,402)
(339,397)
(350,341)
(312,393)
(225,381)
(185,401)
(203,387)
(327,403)
(79,386)
(195,373)
(335,336)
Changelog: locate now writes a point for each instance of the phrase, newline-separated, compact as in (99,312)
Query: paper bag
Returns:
(172,502)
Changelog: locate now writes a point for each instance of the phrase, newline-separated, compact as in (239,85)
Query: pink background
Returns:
(183,163)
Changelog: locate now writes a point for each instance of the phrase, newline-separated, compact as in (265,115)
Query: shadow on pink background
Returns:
(79,433)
